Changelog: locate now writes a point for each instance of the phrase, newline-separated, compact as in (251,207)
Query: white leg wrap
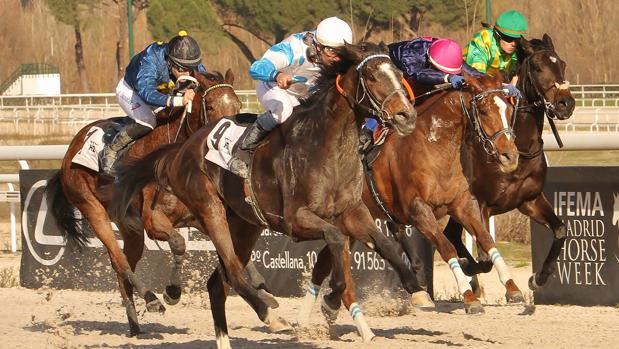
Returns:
(463,284)
(499,264)
(362,326)
(308,303)
(222,339)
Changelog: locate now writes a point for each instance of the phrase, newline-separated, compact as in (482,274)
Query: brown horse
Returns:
(306,180)
(546,94)
(77,186)
(419,178)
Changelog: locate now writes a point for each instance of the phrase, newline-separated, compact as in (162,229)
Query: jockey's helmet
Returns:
(333,32)
(183,50)
(446,56)
(512,23)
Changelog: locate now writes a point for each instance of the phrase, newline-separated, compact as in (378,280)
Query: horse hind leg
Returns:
(539,209)
(133,249)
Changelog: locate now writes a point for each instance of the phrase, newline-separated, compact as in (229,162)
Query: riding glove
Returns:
(456,81)
(512,91)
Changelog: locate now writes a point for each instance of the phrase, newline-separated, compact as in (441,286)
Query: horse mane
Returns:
(351,55)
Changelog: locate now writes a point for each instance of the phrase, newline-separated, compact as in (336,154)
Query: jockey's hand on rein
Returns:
(188,96)
(283,80)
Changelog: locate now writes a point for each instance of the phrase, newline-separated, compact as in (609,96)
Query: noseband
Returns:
(475,122)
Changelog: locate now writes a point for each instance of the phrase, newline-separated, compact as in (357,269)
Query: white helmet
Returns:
(333,32)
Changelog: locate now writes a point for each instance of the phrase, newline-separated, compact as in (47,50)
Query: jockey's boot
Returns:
(366,137)
(127,135)
(239,162)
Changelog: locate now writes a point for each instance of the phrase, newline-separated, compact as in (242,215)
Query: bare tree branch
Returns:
(242,46)
(254,33)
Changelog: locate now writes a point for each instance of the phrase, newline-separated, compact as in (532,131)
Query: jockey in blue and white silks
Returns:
(286,74)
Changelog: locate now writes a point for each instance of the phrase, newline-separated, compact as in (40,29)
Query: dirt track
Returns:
(75,319)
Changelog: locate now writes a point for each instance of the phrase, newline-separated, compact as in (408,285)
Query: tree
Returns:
(122,48)
(68,12)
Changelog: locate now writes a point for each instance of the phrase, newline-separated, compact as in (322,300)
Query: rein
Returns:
(188,107)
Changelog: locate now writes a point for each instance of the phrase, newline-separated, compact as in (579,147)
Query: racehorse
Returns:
(77,186)
(419,178)
(541,78)
(306,180)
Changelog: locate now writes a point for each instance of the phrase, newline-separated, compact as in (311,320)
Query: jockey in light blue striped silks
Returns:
(286,74)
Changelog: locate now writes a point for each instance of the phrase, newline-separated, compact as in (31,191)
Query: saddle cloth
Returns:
(94,141)
(88,156)
(223,139)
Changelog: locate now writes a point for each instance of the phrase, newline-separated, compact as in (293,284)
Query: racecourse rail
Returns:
(597,108)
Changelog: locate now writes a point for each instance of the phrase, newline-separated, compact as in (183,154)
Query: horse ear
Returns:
(351,53)
(548,41)
(526,46)
(472,82)
(229,79)
(383,46)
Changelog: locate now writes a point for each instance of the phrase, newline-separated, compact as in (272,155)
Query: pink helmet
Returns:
(446,56)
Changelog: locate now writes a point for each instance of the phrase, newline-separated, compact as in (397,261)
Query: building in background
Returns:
(32,79)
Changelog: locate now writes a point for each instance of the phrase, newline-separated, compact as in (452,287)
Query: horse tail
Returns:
(134,176)
(64,212)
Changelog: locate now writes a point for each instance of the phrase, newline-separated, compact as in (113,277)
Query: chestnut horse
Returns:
(306,179)
(77,186)
(541,78)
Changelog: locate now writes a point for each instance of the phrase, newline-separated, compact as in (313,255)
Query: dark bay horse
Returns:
(545,94)
(421,177)
(306,179)
(77,186)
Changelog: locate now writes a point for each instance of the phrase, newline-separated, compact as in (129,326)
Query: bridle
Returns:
(540,99)
(187,110)
(474,121)
(376,109)
(539,92)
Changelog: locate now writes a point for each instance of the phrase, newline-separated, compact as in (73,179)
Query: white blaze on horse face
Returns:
(387,69)
(503,111)
(553,59)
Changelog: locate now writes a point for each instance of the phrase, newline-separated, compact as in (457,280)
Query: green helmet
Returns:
(512,23)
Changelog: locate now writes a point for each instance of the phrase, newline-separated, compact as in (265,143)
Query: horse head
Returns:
(491,117)
(376,87)
(542,78)
(216,96)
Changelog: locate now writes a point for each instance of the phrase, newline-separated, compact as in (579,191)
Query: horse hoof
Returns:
(268,299)
(329,313)
(153,304)
(474,308)
(279,325)
(172,294)
(422,301)
(514,297)
(135,331)
(532,284)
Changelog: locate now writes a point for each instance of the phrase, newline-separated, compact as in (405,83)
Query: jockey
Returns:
(286,74)
(495,47)
(426,60)
(142,92)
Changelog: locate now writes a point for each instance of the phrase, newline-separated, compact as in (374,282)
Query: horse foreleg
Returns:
(540,210)
(360,226)
(470,216)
